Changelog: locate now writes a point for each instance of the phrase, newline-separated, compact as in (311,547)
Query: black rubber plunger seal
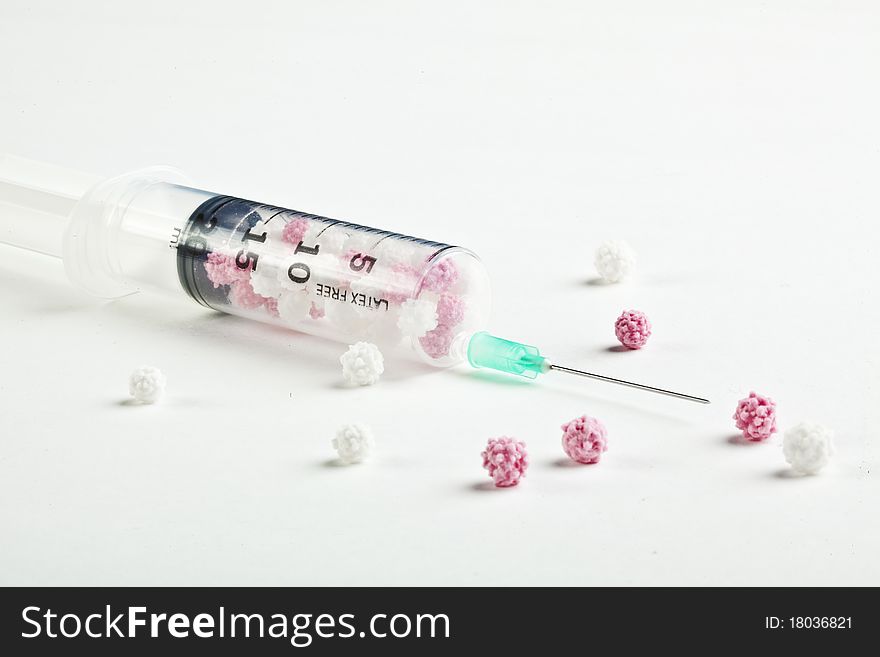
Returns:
(192,249)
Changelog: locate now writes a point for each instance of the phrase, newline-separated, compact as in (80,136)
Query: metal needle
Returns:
(628,384)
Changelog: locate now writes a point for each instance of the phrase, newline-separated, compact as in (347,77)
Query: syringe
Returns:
(150,230)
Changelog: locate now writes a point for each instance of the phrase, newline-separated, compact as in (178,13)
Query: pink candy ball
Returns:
(450,313)
(584,439)
(756,416)
(295,230)
(633,329)
(450,310)
(222,270)
(506,459)
(436,343)
(441,276)
(242,295)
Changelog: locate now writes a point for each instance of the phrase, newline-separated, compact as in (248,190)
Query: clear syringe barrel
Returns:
(332,278)
(329,278)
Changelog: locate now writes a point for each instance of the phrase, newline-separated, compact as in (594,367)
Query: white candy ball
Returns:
(401,252)
(294,305)
(147,384)
(362,364)
(808,447)
(615,261)
(417,317)
(354,443)
(348,319)
(264,281)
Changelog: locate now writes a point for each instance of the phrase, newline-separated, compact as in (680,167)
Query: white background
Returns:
(736,146)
